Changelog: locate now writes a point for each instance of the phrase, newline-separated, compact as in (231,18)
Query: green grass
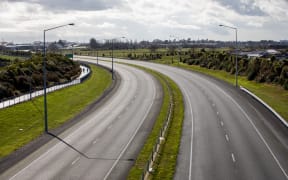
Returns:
(11,58)
(62,106)
(274,95)
(167,158)
(166,163)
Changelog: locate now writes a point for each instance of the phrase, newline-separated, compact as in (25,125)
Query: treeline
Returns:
(20,77)
(267,70)
(17,53)
(145,56)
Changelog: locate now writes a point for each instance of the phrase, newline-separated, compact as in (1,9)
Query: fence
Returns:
(85,73)
(161,137)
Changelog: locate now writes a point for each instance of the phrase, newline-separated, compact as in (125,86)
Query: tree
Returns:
(93,43)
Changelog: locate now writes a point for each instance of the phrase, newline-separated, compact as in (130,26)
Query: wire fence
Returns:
(160,139)
(85,73)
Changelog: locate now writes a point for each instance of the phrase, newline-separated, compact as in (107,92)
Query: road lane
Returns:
(107,141)
(257,147)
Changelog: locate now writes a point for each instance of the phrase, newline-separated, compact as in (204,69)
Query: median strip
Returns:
(161,147)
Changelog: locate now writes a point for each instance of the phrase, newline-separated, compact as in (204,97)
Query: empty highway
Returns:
(226,133)
(104,144)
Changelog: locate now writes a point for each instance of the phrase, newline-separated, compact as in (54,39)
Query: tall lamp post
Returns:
(179,48)
(113,57)
(236,47)
(45,74)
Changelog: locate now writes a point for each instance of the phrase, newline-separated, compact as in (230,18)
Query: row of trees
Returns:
(19,77)
(259,69)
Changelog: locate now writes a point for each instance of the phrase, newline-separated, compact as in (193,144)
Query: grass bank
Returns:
(166,161)
(274,95)
(22,123)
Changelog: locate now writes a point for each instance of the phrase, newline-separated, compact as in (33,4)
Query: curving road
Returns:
(226,133)
(106,141)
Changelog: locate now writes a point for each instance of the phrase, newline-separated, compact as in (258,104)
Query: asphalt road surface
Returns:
(106,141)
(226,135)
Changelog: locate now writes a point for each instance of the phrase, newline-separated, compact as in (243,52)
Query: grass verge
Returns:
(167,158)
(275,96)
(22,123)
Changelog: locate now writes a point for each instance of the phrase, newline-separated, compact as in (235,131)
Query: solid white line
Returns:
(51,149)
(226,136)
(257,131)
(266,105)
(132,137)
(233,157)
(77,159)
(192,129)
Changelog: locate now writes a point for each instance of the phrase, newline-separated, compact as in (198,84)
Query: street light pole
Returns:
(236,50)
(179,48)
(112,60)
(113,56)
(45,74)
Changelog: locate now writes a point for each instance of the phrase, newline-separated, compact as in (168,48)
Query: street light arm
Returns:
(70,24)
(228,26)
(236,47)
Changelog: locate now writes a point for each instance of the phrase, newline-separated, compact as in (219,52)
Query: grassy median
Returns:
(22,123)
(166,162)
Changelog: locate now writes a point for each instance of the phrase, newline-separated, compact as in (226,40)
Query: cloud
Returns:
(143,19)
(244,7)
(81,5)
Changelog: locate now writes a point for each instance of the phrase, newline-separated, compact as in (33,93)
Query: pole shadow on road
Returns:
(81,153)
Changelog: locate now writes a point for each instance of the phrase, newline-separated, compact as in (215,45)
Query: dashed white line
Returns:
(257,131)
(227,138)
(233,157)
(132,137)
(109,127)
(217,113)
(77,159)
(222,124)
(94,142)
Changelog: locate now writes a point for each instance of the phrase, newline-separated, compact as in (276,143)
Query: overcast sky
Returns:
(25,20)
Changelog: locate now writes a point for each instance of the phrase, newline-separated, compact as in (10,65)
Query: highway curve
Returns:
(104,144)
(226,134)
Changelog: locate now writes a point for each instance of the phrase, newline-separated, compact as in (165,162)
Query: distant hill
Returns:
(15,79)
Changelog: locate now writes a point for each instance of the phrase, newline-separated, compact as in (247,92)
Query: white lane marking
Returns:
(217,113)
(213,104)
(222,123)
(132,137)
(77,159)
(109,127)
(192,133)
(52,148)
(227,138)
(94,142)
(257,131)
(233,157)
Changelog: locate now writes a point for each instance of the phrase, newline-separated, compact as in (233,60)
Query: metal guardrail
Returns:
(28,96)
(160,139)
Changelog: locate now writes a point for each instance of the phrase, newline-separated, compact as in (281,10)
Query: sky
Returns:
(23,21)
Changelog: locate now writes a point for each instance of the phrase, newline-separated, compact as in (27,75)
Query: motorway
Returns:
(104,144)
(226,134)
